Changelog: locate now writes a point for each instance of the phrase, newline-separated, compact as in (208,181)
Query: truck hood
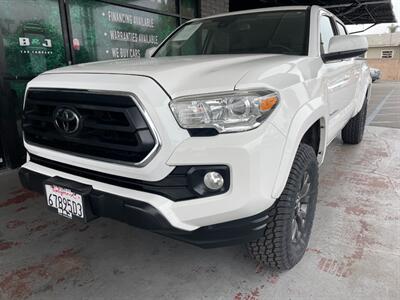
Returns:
(187,75)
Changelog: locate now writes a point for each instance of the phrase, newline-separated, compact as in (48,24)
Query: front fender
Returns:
(304,118)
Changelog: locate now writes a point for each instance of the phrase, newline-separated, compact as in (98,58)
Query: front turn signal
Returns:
(268,103)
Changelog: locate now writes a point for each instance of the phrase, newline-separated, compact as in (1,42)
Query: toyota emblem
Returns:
(66,120)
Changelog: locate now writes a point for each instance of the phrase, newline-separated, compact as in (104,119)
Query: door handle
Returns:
(342,81)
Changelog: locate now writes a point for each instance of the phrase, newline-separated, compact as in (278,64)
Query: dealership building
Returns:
(38,35)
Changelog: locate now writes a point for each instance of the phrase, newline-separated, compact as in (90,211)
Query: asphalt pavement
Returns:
(384,105)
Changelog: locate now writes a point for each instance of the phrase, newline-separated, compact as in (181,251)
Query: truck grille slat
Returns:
(90,141)
(111,126)
(97,125)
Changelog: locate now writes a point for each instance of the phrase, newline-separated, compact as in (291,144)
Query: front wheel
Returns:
(291,217)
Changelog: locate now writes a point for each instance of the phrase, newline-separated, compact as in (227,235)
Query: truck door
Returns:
(339,79)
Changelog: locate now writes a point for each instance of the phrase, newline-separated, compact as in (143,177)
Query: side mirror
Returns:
(345,46)
(149,52)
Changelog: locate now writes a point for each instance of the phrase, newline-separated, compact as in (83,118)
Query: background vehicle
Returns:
(216,139)
(375,74)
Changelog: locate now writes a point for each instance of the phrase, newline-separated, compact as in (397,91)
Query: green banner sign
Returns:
(115,32)
(32,36)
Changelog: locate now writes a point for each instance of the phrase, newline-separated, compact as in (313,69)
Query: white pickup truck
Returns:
(214,139)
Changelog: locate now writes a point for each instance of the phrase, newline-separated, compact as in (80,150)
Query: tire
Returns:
(353,132)
(282,246)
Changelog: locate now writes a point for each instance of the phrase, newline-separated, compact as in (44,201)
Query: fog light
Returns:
(213,180)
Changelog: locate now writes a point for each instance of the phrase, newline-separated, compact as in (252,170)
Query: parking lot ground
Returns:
(384,104)
(354,251)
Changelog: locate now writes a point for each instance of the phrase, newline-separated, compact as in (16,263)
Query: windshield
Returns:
(281,32)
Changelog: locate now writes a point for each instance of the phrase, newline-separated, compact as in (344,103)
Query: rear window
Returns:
(326,32)
(341,28)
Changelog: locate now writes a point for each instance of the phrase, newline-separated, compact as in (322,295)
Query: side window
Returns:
(341,28)
(326,32)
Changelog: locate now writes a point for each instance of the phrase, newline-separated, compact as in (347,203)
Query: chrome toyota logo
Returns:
(66,120)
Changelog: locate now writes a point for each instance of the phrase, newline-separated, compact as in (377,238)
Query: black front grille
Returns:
(112,127)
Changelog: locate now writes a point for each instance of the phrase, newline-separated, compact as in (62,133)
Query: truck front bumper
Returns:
(253,159)
(146,216)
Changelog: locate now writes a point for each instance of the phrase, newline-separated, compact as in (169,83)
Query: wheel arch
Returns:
(364,89)
(308,126)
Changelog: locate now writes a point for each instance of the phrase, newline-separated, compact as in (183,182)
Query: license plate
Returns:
(67,203)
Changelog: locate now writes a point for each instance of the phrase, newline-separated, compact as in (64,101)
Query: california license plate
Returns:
(66,202)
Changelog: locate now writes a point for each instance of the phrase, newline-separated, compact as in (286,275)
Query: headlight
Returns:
(226,112)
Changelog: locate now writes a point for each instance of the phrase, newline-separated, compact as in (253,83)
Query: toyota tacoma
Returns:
(215,138)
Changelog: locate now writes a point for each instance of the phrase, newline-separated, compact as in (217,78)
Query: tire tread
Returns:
(271,249)
(353,132)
